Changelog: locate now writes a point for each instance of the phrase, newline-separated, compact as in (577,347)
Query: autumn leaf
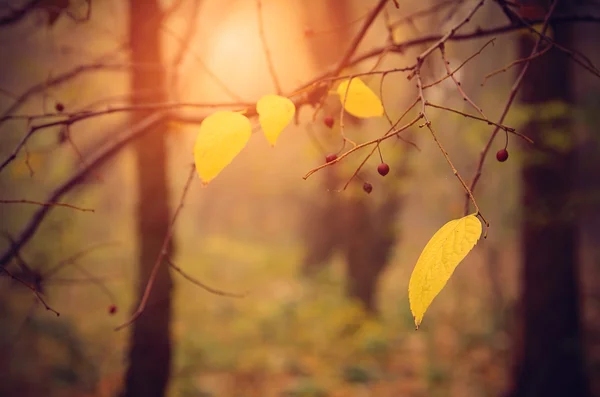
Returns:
(222,136)
(274,114)
(359,101)
(446,249)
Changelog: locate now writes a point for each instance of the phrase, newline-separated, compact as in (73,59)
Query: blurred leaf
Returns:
(222,136)
(446,249)
(274,114)
(360,101)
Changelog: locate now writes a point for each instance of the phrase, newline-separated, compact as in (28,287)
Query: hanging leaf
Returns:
(274,114)
(437,262)
(222,136)
(360,101)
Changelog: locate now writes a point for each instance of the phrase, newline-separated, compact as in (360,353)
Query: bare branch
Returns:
(263,39)
(202,285)
(344,62)
(511,98)
(162,254)
(43,204)
(108,153)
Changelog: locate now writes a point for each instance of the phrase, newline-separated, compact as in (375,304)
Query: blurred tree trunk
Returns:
(361,227)
(587,93)
(150,341)
(323,225)
(549,355)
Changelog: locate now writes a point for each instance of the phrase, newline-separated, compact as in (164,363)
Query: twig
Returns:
(392,131)
(32,226)
(475,34)
(202,285)
(425,12)
(47,204)
(70,119)
(359,37)
(32,288)
(163,252)
(167,13)
(360,146)
(139,130)
(457,83)
(448,75)
(263,39)
(184,46)
(516,62)
(204,66)
(489,122)
(74,257)
(450,33)
(77,151)
(509,101)
(342,112)
(446,156)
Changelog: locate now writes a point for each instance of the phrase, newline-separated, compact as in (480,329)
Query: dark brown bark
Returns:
(150,341)
(549,359)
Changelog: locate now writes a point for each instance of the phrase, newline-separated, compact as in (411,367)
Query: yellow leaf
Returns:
(222,136)
(360,100)
(437,262)
(274,114)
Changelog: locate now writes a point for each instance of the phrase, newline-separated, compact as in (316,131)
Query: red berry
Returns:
(329,121)
(59,107)
(502,155)
(367,187)
(112,309)
(330,158)
(383,169)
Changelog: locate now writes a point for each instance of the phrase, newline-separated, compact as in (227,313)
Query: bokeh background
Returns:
(303,252)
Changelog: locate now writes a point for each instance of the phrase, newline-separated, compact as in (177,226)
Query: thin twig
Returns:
(163,253)
(360,146)
(516,62)
(444,152)
(359,37)
(450,33)
(33,289)
(43,204)
(105,155)
(511,97)
(263,39)
(392,132)
(448,75)
(74,257)
(489,122)
(202,285)
(457,83)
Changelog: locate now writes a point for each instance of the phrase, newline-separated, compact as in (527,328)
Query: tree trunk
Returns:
(322,227)
(549,359)
(150,341)
(360,227)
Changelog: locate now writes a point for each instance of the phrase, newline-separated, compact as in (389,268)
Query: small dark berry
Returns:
(502,155)
(59,107)
(329,121)
(367,187)
(383,169)
(330,158)
(112,309)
